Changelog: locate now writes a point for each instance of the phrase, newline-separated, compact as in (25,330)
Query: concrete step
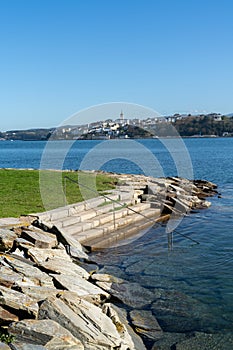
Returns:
(59,213)
(90,214)
(72,227)
(104,230)
(95,242)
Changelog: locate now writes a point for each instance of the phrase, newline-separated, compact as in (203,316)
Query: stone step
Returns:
(86,215)
(95,242)
(105,230)
(103,219)
(58,214)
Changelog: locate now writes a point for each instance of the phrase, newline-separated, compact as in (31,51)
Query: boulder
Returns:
(65,267)
(33,273)
(42,255)
(47,333)
(39,293)
(86,323)
(74,248)
(120,320)
(9,278)
(22,304)
(7,317)
(146,324)
(104,277)
(7,238)
(39,238)
(79,285)
(129,293)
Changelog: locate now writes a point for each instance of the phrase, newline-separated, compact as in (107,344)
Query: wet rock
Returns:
(104,277)
(169,341)
(127,334)
(7,238)
(79,285)
(7,317)
(87,322)
(18,301)
(47,333)
(203,341)
(31,272)
(131,294)
(146,324)
(39,238)
(177,312)
(112,270)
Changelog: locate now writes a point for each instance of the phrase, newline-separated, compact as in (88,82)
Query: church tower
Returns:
(122,116)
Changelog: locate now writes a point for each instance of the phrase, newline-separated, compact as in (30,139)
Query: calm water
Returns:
(194,282)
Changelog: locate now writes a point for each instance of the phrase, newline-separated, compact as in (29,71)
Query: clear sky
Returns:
(60,56)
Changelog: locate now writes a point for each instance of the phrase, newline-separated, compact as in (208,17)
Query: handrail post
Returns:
(114,216)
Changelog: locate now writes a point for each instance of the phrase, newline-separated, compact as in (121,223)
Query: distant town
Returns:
(185,125)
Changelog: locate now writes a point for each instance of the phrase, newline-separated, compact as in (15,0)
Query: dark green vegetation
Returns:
(204,125)
(28,135)
(6,338)
(20,189)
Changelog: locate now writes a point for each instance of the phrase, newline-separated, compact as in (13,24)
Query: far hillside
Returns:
(205,125)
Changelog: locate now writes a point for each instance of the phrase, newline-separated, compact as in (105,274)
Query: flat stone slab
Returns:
(7,238)
(79,285)
(87,322)
(46,333)
(131,294)
(33,273)
(120,318)
(146,324)
(18,302)
(64,267)
(7,317)
(10,222)
(39,238)
(39,293)
(41,255)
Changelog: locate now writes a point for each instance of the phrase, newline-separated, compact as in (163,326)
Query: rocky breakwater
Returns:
(53,297)
(51,300)
(172,195)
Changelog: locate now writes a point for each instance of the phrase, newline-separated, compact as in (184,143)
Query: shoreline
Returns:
(42,281)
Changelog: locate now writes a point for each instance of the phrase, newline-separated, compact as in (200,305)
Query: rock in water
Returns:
(131,294)
(146,324)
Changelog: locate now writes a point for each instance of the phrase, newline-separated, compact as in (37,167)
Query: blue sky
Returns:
(58,57)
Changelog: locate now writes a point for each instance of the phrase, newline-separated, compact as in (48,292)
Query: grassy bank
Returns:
(20,190)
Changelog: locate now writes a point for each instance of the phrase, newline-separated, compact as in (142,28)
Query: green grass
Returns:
(20,191)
